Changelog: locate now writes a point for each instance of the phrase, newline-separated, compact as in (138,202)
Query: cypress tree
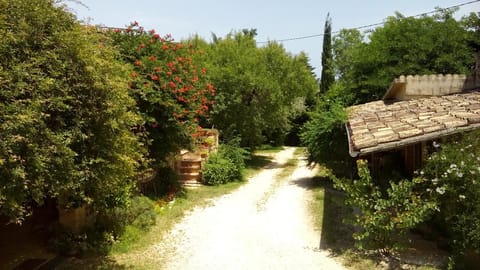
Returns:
(327,78)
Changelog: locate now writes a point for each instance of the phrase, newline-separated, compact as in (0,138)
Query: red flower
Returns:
(171,64)
(178,79)
(169,73)
(154,77)
(142,46)
(172,85)
(152,31)
(152,58)
(164,47)
(180,59)
(158,69)
(156,36)
(138,63)
(135,23)
(133,74)
(195,79)
(116,30)
(204,70)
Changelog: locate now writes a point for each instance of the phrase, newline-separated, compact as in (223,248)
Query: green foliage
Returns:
(64,112)
(451,179)
(259,89)
(218,170)
(139,213)
(384,216)
(123,223)
(402,46)
(324,134)
(226,165)
(327,78)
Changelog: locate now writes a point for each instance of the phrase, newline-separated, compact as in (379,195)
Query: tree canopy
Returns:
(259,89)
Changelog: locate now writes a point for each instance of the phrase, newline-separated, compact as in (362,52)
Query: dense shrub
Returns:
(218,170)
(384,215)
(226,165)
(65,118)
(171,90)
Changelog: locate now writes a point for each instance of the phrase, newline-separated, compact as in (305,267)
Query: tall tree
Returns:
(327,77)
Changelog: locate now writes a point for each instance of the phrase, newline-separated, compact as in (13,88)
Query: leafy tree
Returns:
(327,77)
(408,45)
(64,113)
(259,90)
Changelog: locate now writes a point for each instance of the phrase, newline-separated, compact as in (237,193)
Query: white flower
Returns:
(440,190)
(459,174)
(435,181)
(435,144)
(453,166)
(461,197)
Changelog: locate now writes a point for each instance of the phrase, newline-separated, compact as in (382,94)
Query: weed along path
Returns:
(265,224)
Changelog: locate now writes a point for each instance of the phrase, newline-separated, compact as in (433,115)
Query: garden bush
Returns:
(385,216)
(226,165)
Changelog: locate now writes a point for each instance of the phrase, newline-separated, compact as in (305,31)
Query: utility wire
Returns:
(370,25)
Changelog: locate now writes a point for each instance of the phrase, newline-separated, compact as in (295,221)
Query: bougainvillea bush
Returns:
(172,94)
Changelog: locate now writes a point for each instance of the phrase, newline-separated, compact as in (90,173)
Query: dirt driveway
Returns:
(265,224)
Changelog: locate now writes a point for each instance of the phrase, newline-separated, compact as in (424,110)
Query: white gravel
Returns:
(265,224)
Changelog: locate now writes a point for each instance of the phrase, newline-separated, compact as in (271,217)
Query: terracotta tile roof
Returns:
(384,125)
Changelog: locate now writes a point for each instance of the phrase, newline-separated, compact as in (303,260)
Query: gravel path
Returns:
(263,225)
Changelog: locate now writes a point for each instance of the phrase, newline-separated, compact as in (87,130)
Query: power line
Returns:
(371,25)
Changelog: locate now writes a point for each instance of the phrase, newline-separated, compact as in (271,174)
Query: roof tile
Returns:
(373,124)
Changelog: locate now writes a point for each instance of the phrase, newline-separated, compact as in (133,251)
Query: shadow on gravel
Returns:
(257,162)
(335,235)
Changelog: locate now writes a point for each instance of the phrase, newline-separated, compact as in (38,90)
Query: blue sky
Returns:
(273,19)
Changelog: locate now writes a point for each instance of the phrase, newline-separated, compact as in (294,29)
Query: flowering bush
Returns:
(452,180)
(171,92)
